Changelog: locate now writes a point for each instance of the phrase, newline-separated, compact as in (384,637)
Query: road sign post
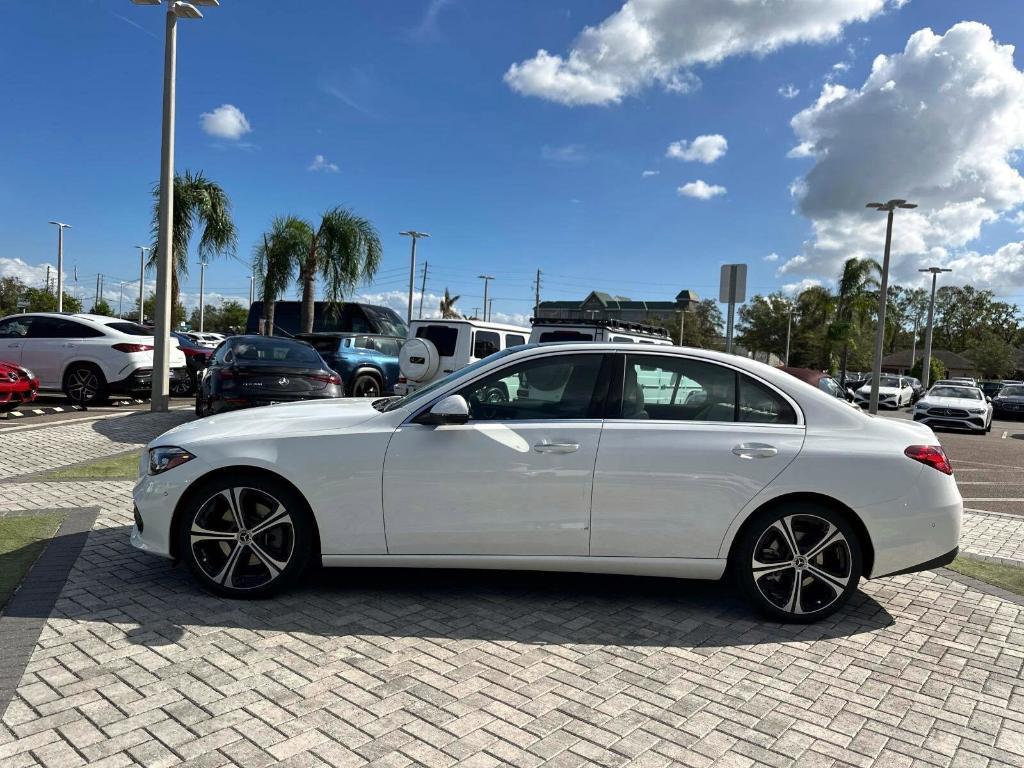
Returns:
(732,291)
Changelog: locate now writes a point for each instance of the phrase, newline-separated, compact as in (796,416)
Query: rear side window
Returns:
(485,343)
(514,340)
(763,405)
(443,337)
(555,336)
(132,329)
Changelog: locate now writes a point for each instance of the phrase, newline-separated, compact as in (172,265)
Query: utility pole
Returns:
(490,309)
(536,295)
(883,295)
(60,264)
(926,364)
(202,292)
(97,299)
(487,280)
(476,311)
(789,331)
(913,346)
(142,281)
(47,278)
(423,288)
(252,288)
(412,233)
(120,302)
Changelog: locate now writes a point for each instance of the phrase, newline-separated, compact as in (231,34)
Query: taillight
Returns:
(329,379)
(402,380)
(133,347)
(932,455)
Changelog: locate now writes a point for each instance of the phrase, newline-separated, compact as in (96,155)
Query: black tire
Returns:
(84,384)
(366,385)
(184,387)
(821,583)
(245,561)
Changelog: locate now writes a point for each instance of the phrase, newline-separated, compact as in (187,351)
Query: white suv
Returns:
(436,348)
(85,356)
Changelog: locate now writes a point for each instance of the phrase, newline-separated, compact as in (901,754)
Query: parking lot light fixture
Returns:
(60,263)
(165,248)
(926,364)
(883,295)
(412,233)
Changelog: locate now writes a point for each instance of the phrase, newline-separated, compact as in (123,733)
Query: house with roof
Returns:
(599,305)
(901,362)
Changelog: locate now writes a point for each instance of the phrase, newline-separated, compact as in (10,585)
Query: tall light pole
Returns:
(142,280)
(177,9)
(926,364)
(252,288)
(60,263)
(883,295)
(202,293)
(412,265)
(487,281)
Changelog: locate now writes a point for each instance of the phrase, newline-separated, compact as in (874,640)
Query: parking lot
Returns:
(128,662)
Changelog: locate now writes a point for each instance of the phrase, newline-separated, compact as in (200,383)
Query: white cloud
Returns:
(32,276)
(661,41)
(789,91)
(648,174)
(567,154)
(428,28)
(840,66)
(941,124)
(795,289)
(770,257)
(703,149)
(225,122)
(701,190)
(995,271)
(803,149)
(320,163)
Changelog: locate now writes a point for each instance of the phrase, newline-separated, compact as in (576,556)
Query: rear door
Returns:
(689,444)
(13,333)
(50,341)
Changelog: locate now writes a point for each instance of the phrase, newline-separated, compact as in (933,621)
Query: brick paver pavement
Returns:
(137,666)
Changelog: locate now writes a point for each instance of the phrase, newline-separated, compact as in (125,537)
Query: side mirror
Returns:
(451,410)
(988,399)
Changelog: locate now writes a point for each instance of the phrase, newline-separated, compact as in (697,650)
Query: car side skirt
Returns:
(674,567)
(930,565)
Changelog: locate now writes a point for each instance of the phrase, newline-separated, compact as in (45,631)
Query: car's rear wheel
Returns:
(246,537)
(798,562)
(84,384)
(366,385)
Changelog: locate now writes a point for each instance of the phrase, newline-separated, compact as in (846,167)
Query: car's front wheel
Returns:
(798,562)
(246,536)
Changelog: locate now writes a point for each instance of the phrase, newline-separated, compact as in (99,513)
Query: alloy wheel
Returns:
(83,384)
(366,386)
(242,538)
(802,564)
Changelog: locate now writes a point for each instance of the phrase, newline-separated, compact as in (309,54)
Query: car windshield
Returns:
(888,381)
(1014,391)
(419,395)
(966,393)
(270,349)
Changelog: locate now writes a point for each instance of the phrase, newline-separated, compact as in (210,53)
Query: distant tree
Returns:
(702,328)
(101,308)
(993,357)
(852,305)
(809,347)
(11,289)
(274,260)
(198,202)
(937,368)
(448,311)
(231,317)
(762,324)
(149,311)
(41,300)
(343,250)
(962,312)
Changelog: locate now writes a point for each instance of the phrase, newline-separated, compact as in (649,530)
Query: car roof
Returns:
(485,324)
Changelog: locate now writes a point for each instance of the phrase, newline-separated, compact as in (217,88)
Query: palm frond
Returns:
(348,251)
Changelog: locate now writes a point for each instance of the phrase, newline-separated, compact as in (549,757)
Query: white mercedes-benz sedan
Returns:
(605,458)
(955,406)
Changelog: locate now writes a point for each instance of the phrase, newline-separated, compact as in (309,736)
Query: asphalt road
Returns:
(989,469)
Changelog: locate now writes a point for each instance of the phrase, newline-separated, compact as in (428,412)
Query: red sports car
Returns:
(17,386)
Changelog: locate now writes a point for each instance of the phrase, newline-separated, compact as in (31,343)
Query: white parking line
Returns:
(988,482)
(996,498)
(1003,436)
(985,464)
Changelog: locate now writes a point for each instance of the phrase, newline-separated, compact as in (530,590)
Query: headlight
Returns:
(975,410)
(167,457)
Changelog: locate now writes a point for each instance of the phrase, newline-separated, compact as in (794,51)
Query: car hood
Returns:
(1011,398)
(950,402)
(866,390)
(273,421)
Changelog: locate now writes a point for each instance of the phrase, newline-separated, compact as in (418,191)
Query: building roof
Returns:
(902,359)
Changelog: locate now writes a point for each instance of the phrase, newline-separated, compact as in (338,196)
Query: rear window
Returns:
(514,339)
(132,329)
(382,344)
(270,349)
(555,336)
(443,337)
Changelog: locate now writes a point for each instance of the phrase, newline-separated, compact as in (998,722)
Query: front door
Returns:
(50,341)
(13,332)
(692,444)
(516,479)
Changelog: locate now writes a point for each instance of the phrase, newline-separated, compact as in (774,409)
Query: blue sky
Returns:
(420,123)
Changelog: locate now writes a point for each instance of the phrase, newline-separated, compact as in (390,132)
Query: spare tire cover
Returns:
(418,360)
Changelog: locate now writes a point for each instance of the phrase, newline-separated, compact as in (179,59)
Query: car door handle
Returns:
(755,451)
(546,447)
(13,346)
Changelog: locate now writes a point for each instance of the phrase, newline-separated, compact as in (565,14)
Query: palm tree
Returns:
(274,261)
(344,250)
(448,311)
(198,202)
(853,299)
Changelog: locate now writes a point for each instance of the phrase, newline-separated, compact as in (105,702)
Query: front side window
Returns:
(444,337)
(558,387)
(485,343)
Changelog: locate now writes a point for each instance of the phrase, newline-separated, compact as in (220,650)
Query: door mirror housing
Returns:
(449,410)
(988,399)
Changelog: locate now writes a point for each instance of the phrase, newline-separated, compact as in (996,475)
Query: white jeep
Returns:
(436,348)
(551,330)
